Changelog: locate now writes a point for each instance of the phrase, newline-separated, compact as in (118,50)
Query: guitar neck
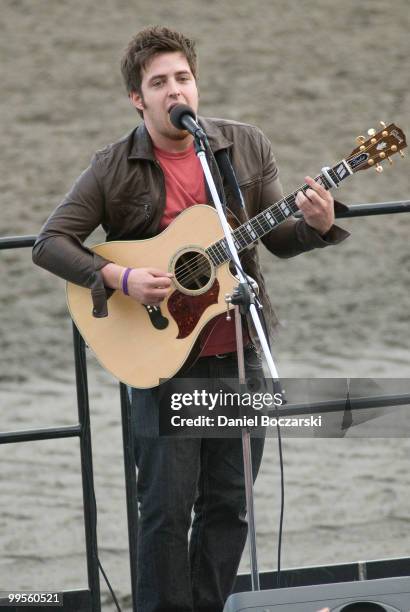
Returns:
(250,232)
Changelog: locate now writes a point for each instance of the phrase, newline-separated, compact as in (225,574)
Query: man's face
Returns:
(166,81)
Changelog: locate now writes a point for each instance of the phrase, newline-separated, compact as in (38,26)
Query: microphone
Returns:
(183,118)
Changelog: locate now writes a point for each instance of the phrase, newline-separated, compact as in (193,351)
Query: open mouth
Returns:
(171,106)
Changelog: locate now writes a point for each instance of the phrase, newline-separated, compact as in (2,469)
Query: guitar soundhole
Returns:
(193,270)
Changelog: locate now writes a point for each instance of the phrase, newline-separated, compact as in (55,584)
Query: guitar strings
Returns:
(240,233)
(190,271)
(200,264)
(197,265)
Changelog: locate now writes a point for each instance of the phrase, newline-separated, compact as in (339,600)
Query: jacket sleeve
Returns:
(59,246)
(294,236)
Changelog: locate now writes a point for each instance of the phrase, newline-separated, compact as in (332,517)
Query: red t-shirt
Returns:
(185,186)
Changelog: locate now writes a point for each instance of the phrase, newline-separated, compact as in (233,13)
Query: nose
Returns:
(173,88)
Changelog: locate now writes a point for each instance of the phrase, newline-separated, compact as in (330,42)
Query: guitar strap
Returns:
(227,171)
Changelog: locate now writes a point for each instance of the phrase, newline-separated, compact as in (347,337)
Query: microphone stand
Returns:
(244,300)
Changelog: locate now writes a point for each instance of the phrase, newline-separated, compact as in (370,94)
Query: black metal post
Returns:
(381,208)
(80,600)
(30,435)
(89,503)
(357,403)
(131,488)
(16,242)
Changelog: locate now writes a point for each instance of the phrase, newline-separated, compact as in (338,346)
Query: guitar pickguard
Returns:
(186,310)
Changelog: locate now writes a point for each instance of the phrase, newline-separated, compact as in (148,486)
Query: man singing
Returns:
(134,188)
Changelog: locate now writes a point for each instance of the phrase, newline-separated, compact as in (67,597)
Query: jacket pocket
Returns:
(136,209)
(129,217)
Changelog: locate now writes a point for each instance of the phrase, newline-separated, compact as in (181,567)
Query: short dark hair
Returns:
(147,44)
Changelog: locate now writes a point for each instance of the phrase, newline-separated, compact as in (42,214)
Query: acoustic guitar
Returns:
(139,344)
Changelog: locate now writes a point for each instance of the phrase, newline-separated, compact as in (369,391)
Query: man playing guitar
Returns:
(135,188)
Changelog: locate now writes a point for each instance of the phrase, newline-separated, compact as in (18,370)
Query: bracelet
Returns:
(124,281)
(120,280)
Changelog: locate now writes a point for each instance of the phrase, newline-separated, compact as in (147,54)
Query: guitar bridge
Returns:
(156,317)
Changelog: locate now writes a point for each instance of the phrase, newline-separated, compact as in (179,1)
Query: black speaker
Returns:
(384,595)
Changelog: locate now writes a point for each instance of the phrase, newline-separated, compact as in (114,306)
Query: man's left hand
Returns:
(317,206)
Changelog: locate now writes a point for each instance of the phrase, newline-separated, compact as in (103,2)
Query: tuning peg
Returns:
(360,139)
(390,161)
(402,154)
(385,133)
(379,168)
(371,132)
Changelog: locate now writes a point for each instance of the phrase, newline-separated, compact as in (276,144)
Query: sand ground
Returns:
(313,75)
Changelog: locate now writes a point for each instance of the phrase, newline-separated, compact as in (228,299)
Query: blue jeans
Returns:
(175,477)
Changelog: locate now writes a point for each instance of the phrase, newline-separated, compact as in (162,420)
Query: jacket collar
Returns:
(141,143)
(216,137)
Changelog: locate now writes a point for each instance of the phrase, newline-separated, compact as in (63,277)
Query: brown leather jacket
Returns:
(123,190)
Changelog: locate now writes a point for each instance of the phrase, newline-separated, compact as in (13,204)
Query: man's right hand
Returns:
(146,285)
(149,285)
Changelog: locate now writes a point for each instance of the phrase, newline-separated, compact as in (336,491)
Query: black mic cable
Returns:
(282,472)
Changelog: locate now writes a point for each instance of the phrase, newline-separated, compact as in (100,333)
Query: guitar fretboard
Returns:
(248,233)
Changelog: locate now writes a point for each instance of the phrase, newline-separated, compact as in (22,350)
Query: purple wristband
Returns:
(125,281)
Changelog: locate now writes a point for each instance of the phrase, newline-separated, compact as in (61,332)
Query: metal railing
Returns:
(89,599)
(81,600)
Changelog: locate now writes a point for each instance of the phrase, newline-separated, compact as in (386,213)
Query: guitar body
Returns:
(138,345)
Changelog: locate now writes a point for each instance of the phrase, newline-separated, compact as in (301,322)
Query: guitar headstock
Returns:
(378,147)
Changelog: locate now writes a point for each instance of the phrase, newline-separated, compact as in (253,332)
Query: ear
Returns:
(137,100)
